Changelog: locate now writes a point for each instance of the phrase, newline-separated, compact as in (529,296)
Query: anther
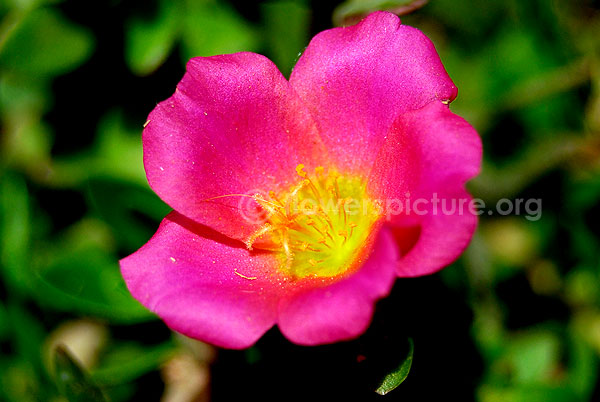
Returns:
(274,197)
(324,242)
(298,188)
(300,170)
(342,208)
(312,224)
(323,215)
(327,233)
(302,173)
(335,185)
(352,225)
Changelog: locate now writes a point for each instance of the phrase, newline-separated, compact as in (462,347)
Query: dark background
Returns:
(517,318)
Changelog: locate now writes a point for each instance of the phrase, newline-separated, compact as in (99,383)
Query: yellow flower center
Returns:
(318,227)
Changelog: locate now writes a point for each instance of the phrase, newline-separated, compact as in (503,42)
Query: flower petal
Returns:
(344,309)
(420,173)
(445,232)
(205,285)
(356,81)
(234,126)
(426,150)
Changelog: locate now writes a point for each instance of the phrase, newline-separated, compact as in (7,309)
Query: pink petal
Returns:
(234,126)
(357,80)
(204,285)
(426,150)
(344,309)
(444,235)
(427,158)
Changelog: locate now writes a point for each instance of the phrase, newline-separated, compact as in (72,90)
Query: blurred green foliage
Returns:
(74,199)
(204,27)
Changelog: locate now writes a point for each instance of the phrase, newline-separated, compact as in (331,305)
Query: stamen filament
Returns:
(239,195)
(328,234)
(274,197)
(324,242)
(264,229)
(344,234)
(312,224)
(352,225)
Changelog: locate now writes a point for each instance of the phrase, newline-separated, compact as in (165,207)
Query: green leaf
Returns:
(397,377)
(287,31)
(86,279)
(126,208)
(117,153)
(130,361)
(14,231)
(29,147)
(527,393)
(118,150)
(148,43)
(72,381)
(18,380)
(581,287)
(533,356)
(353,10)
(3,322)
(46,44)
(582,366)
(22,97)
(27,336)
(583,195)
(29,4)
(211,28)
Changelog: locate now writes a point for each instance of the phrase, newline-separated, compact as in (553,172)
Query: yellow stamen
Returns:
(323,241)
(260,232)
(308,225)
(300,170)
(344,234)
(351,225)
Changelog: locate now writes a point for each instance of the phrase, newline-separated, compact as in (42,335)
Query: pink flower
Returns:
(287,194)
